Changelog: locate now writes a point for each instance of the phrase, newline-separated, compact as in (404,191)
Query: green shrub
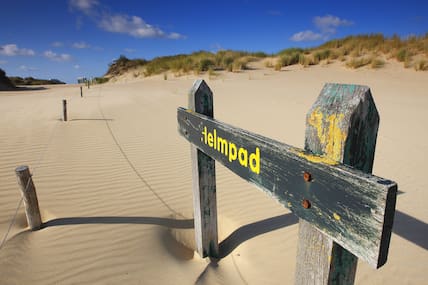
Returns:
(358,62)
(377,63)
(402,55)
(290,59)
(206,64)
(321,55)
(101,80)
(421,65)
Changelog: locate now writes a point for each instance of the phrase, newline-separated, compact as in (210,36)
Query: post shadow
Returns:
(411,229)
(249,231)
(405,226)
(165,222)
(90,119)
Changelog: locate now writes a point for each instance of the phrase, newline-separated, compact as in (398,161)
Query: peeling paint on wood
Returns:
(342,125)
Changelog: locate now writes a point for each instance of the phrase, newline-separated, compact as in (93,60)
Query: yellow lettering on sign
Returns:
(222,145)
(231,150)
(243,157)
(204,132)
(210,139)
(215,139)
(255,161)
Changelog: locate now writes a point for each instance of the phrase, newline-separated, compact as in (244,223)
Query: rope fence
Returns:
(45,150)
(131,165)
(37,164)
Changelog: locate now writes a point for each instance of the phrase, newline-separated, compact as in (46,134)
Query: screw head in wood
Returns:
(306,204)
(307,176)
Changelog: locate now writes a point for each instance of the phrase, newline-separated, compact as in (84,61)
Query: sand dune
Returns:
(114,182)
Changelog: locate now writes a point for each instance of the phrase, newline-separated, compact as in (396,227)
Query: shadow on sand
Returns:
(91,120)
(165,222)
(249,231)
(405,226)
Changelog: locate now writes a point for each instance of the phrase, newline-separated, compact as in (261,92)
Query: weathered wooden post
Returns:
(204,184)
(29,195)
(341,125)
(64,110)
(81,92)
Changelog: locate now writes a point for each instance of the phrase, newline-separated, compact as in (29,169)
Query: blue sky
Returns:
(72,38)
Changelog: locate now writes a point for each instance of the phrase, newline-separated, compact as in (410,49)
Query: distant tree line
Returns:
(33,81)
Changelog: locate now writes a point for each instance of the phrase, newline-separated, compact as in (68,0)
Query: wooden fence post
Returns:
(64,110)
(81,92)
(204,184)
(342,125)
(31,203)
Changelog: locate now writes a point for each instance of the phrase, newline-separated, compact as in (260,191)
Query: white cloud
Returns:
(327,25)
(81,45)
(27,68)
(57,44)
(76,66)
(57,57)
(86,6)
(176,36)
(130,50)
(13,50)
(306,36)
(120,23)
(3,61)
(133,26)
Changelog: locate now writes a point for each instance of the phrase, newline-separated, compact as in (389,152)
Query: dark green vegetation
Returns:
(372,50)
(33,81)
(5,83)
(10,83)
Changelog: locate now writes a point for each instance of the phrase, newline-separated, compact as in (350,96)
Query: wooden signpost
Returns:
(350,208)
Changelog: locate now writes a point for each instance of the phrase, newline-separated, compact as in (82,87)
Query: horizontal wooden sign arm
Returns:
(354,208)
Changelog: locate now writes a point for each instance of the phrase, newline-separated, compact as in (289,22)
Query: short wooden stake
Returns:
(342,125)
(81,92)
(64,110)
(204,184)
(29,195)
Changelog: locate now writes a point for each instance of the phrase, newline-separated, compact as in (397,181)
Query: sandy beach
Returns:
(114,182)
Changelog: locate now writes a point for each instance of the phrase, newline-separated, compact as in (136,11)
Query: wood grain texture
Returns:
(204,183)
(29,195)
(346,204)
(342,124)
